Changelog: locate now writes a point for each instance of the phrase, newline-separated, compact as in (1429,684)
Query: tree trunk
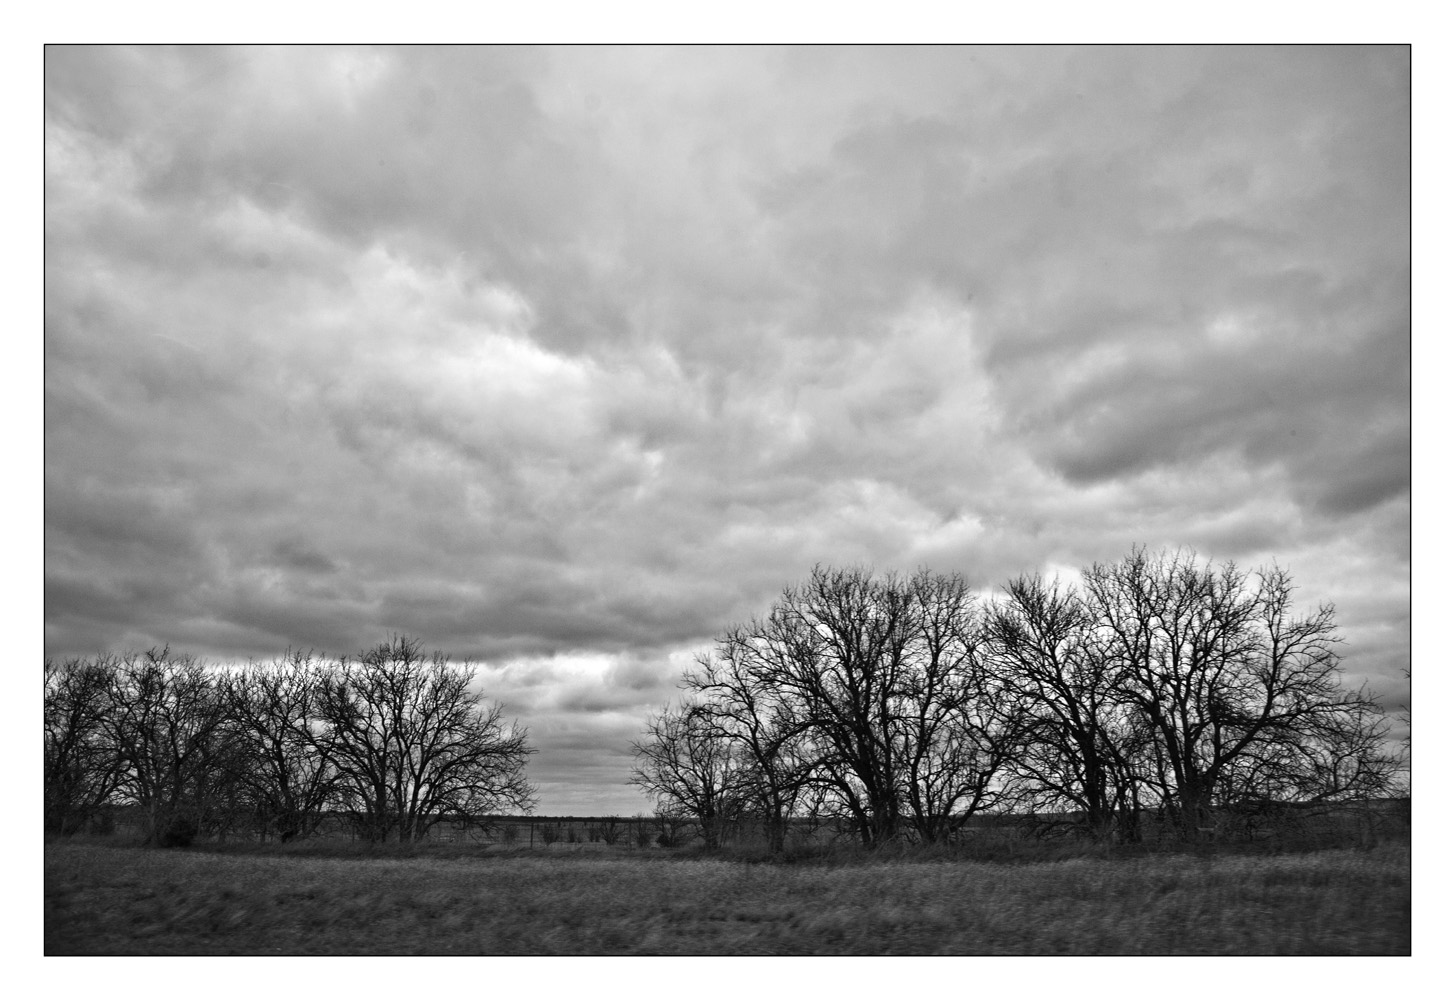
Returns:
(775,828)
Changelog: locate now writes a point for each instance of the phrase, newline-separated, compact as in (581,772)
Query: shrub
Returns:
(180,831)
(103,823)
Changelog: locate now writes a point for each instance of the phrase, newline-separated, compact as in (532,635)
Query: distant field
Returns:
(117,900)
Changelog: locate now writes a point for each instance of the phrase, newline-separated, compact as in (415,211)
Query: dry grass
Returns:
(116,900)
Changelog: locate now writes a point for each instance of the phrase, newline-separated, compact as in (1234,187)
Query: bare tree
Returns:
(738,693)
(866,695)
(1406,718)
(413,745)
(82,768)
(609,829)
(1081,746)
(1227,676)
(177,751)
(673,825)
(275,708)
(1344,755)
(843,638)
(961,724)
(690,768)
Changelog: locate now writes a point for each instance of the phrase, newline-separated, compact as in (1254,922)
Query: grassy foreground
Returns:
(119,900)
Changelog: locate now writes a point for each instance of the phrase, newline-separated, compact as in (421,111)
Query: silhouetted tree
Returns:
(1344,755)
(1228,678)
(178,754)
(843,638)
(82,768)
(739,696)
(1407,718)
(413,745)
(275,707)
(959,723)
(685,762)
(866,694)
(1081,746)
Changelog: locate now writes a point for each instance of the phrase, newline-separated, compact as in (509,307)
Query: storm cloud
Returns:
(562,360)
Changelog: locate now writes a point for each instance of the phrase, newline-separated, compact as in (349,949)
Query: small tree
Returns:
(1407,745)
(672,827)
(1343,756)
(691,770)
(642,832)
(741,700)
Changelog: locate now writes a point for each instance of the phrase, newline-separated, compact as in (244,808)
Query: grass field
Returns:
(121,900)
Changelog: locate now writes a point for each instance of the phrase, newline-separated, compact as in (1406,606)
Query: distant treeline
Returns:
(1155,687)
(394,741)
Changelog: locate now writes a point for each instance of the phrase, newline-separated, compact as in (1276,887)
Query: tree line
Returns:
(1155,687)
(395,740)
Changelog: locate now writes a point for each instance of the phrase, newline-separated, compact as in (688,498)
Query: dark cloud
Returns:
(563,359)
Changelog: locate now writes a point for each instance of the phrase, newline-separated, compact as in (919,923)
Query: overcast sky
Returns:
(562,360)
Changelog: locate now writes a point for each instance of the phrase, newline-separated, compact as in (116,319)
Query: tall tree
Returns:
(413,745)
(961,724)
(866,693)
(1081,745)
(82,768)
(1225,673)
(275,708)
(171,733)
(845,635)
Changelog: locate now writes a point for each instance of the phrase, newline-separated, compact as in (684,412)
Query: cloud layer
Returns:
(564,359)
